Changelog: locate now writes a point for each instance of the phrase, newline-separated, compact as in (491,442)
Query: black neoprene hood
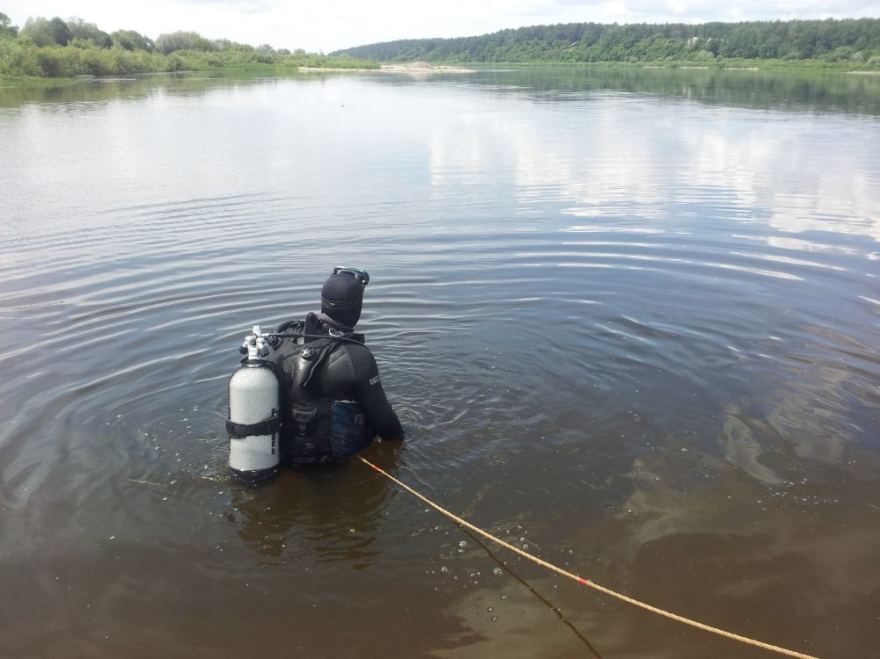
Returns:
(342,297)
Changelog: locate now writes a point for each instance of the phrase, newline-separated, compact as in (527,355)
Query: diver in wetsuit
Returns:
(332,399)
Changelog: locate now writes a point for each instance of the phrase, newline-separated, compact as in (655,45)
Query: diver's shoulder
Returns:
(360,355)
(357,350)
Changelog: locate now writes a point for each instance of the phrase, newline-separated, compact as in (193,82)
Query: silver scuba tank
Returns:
(254,415)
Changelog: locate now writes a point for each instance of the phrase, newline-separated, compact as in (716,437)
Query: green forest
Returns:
(852,41)
(51,48)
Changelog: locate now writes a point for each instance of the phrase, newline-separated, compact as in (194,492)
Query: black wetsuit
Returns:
(333,371)
(351,373)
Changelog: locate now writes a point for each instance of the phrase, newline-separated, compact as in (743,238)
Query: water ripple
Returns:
(624,339)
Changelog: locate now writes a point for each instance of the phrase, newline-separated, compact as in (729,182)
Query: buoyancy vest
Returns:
(315,428)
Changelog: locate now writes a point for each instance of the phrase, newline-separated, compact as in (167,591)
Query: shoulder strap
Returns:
(311,325)
(290,325)
(311,357)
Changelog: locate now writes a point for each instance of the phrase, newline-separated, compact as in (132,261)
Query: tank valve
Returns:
(255,345)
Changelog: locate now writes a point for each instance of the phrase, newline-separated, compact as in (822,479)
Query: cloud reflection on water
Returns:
(623,159)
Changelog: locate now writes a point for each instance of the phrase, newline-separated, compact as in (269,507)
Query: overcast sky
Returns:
(327,25)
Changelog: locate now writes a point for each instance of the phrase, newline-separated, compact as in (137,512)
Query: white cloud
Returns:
(336,24)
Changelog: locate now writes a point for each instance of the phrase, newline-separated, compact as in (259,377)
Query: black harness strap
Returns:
(265,427)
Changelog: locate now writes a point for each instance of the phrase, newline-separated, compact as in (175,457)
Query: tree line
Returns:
(56,47)
(845,40)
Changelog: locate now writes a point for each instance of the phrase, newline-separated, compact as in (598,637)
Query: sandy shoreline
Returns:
(423,68)
(329,69)
(410,68)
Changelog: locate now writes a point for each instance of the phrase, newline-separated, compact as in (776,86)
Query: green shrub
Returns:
(89,51)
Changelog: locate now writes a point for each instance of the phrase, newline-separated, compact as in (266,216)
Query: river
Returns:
(630,319)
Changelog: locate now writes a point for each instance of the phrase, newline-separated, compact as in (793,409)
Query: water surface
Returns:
(629,318)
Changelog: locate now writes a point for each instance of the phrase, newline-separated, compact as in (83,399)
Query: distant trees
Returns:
(131,40)
(856,40)
(7,30)
(54,47)
(169,43)
(87,33)
(45,32)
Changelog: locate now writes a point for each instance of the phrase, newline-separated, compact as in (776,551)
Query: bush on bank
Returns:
(56,48)
(19,58)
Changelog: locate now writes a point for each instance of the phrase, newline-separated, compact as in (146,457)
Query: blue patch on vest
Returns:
(349,432)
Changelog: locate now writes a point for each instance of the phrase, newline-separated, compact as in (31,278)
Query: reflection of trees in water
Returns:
(129,89)
(330,511)
(791,89)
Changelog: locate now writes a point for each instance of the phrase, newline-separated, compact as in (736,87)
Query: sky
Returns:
(327,25)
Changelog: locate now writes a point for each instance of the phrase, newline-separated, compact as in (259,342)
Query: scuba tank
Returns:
(254,422)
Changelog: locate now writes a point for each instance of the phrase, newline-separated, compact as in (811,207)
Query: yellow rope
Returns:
(587,582)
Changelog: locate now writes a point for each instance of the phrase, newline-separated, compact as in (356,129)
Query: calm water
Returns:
(629,318)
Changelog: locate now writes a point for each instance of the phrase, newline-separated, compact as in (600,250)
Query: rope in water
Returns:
(586,582)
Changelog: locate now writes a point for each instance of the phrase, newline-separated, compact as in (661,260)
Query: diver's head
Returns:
(343,294)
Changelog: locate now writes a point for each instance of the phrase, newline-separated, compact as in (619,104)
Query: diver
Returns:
(332,401)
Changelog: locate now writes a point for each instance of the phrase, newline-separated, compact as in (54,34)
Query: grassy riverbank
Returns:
(29,61)
(56,48)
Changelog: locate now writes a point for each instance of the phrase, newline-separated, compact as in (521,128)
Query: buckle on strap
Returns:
(305,420)
(265,427)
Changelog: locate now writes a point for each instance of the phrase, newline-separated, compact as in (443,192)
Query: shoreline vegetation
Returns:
(55,48)
(835,44)
(46,50)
